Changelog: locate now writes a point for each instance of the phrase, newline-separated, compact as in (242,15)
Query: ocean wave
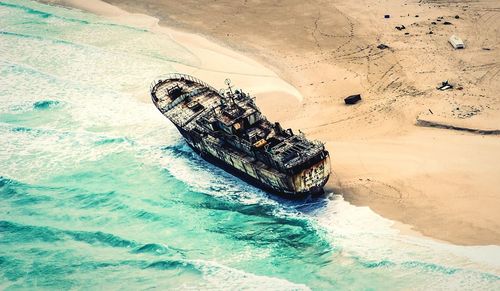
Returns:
(21,129)
(105,141)
(37,37)
(157,249)
(174,265)
(16,232)
(179,149)
(100,238)
(4,181)
(223,277)
(94,200)
(45,104)
(17,194)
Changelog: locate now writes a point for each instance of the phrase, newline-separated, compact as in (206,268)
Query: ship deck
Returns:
(201,97)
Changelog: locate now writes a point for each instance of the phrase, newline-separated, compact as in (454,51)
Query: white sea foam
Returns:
(361,232)
(223,277)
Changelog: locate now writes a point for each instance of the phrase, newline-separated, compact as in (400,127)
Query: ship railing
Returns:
(179,76)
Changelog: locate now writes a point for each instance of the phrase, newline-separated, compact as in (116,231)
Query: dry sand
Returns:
(443,182)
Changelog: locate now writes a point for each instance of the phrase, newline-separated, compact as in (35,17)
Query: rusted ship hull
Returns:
(315,191)
(255,181)
(299,175)
(240,170)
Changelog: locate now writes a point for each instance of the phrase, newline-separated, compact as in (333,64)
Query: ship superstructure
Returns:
(226,128)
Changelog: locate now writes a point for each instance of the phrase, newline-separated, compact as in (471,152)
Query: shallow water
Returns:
(97,189)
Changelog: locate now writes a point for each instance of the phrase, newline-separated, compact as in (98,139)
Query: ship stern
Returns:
(312,179)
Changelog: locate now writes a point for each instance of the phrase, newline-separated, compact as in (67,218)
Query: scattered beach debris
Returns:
(401,27)
(445,85)
(447,23)
(430,32)
(457,17)
(417,15)
(387,16)
(382,46)
(466,111)
(407,33)
(434,22)
(353,99)
(486,49)
(430,111)
(456,42)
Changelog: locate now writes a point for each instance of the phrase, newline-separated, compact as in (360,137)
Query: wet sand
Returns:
(445,183)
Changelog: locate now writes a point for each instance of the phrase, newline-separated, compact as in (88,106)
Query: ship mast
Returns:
(230,89)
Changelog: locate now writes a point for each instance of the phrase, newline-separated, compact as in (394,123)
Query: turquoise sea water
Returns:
(98,190)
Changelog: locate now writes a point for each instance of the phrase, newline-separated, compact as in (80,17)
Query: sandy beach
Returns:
(387,152)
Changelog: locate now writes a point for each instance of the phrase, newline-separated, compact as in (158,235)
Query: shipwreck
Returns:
(226,128)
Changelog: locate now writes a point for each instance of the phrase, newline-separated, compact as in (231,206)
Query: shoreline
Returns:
(256,77)
(408,189)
